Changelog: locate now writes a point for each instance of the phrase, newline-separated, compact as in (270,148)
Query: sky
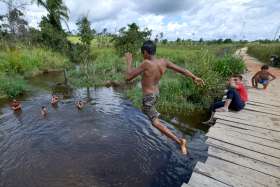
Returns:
(188,19)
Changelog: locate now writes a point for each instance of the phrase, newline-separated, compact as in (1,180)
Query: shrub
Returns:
(228,66)
(12,85)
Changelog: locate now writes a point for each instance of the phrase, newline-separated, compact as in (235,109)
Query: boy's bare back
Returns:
(153,71)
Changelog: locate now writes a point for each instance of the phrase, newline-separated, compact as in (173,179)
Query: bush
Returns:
(12,85)
(106,67)
(228,66)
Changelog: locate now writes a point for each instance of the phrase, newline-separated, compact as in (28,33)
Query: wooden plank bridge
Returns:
(244,147)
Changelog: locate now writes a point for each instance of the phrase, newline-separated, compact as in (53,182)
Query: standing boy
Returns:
(152,69)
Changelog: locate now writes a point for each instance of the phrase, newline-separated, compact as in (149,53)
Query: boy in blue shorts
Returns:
(263,77)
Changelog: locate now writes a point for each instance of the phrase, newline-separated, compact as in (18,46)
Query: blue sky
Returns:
(208,19)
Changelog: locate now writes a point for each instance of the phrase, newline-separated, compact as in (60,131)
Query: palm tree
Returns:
(57,11)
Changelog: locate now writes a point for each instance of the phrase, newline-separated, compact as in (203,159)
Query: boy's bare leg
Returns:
(168,133)
(265,86)
(226,106)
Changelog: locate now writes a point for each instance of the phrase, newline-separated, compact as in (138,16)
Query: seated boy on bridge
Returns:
(152,69)
(263,77)
(237,96)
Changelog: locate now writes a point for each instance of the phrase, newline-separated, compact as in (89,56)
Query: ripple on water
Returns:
(108,143)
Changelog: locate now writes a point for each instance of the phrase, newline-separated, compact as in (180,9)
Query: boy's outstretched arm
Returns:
(184,72)
(273,77)
(130,72)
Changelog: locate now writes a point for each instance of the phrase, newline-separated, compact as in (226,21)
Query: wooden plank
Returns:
(245,144)
(251,116)
(262,110)
(269,132)
(262,100)
(245,161)
(266,125)
(246,131)
(229,177)
(217,130)
(243,151)
(247,113)
(200,180)
(264,105)
(239,172)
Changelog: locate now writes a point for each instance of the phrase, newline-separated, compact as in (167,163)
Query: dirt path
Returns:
(253,65)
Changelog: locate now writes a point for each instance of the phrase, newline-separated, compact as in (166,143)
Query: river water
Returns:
(108,143)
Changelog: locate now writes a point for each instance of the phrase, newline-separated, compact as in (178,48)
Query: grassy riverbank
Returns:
(22,62)
(263,51)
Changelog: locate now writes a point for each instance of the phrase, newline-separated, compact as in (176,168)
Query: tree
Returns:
(85,32)
(130,39)
(85,75)
(13,22)
(227,40)
(57,11)
(52,32)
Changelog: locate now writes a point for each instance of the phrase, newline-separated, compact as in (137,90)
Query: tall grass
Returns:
(29,62)
(20,62)
(264,51)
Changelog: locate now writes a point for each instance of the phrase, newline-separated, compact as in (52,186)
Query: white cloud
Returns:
(209,19)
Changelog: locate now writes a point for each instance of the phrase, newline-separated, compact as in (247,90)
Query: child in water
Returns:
(16,105)
(44,111)
(263,77)
(54,100)
(80,104)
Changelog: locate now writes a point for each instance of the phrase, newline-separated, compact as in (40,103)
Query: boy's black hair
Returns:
(265,67)
(43,107)
(150,47)
(238,75)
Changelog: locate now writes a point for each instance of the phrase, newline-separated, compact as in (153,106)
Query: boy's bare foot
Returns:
(223,109)
(209,122)
(184,146)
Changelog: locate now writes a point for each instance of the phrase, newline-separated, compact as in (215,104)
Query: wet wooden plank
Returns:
(245,144)
(243,151)
(245,161)
(235,175)
(199,180)
(219,130)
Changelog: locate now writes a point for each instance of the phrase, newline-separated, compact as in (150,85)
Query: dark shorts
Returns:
(149,108)
(263,81)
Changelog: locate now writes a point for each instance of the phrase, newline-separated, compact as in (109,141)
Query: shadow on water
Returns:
(108,143)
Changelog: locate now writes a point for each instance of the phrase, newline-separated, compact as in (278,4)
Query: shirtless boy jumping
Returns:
(152,69)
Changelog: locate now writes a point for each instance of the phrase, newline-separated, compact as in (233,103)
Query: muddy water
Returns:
(108,143)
